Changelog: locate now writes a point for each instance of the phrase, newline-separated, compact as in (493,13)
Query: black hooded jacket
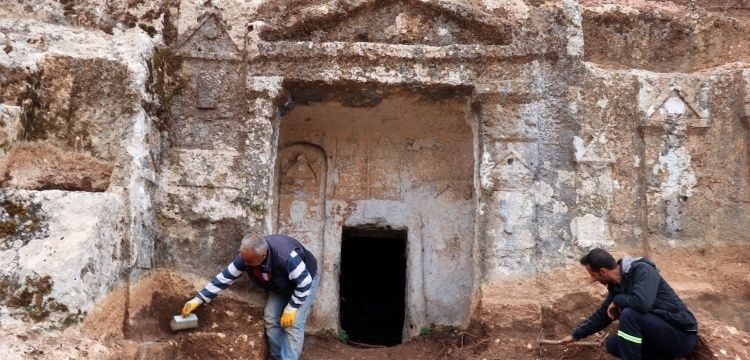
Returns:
(642,289)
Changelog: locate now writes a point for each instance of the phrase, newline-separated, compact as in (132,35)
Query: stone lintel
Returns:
(300,50)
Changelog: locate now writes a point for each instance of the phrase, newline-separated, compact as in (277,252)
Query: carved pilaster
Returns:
(591,226)
(669,108)
(509,160)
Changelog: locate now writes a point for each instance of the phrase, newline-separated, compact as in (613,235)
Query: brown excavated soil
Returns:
(229,329)
(134,322)
(713,280)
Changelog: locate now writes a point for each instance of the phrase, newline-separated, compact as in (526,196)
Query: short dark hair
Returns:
(598,259)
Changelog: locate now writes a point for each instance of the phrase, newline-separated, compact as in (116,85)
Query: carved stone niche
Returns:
(208,88)
(301,184)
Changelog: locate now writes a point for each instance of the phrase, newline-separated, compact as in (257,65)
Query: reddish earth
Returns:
(512,315)
(132,322)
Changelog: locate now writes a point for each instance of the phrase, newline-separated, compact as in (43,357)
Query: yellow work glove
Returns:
(288,317)
(190,306)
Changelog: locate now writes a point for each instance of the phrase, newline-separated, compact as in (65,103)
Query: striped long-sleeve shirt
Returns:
(296,269)
(299,274)
(222,281)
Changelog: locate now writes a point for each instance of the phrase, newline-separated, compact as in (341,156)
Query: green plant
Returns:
(8,228)
(258,209)
(342,336)
(14,209)
(425,331)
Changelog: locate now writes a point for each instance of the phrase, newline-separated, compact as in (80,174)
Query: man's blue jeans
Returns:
(286,343)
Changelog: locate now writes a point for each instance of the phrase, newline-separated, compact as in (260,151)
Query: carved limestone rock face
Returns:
(498,138)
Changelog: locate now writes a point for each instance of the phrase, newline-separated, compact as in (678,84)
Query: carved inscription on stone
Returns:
(351,169)
(368,169)
(384,165)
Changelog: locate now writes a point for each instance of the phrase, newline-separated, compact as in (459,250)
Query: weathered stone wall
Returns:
(70,240)
(76,166)
(170,124)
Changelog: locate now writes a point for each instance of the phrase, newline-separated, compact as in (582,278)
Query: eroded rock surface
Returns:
(504,138)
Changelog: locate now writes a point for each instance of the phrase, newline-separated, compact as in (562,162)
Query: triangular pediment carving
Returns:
(408,22)
(209,39)
(512,161)
(511,171)
(672,103)
(684,100)
(594,153)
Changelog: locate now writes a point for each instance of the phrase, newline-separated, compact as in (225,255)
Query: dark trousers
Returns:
(648,336)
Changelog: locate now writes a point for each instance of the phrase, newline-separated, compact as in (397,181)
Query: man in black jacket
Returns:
(654,322)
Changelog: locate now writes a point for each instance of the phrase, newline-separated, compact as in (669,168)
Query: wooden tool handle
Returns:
(559,342)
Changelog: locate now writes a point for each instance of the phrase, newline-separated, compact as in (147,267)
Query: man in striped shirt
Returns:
(288,272)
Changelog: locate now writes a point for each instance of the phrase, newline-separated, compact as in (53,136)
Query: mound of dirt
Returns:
(135,321)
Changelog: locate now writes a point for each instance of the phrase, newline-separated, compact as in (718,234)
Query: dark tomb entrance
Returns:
(373,285)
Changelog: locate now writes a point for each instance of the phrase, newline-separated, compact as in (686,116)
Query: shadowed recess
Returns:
(373,280)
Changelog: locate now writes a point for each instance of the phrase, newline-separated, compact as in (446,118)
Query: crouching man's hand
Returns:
(613,311)
(190,306)
(288,317)
(568,339)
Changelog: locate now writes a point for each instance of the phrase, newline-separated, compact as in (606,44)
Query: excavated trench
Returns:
(228,328)
(232,326)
